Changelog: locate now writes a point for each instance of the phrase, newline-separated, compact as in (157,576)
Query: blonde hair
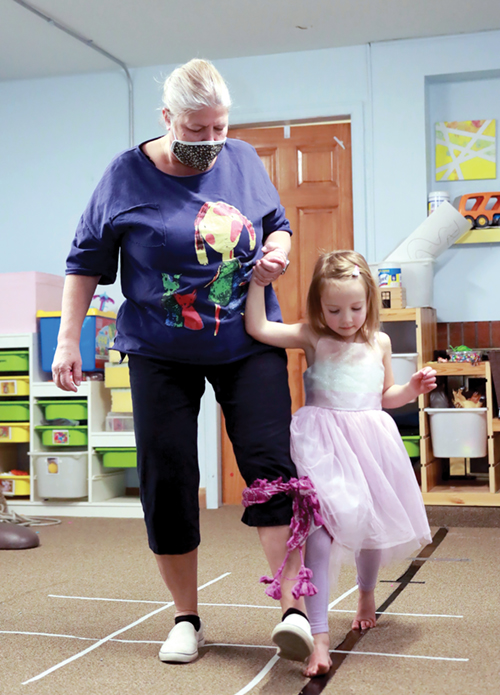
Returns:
(194,85)
(337,266)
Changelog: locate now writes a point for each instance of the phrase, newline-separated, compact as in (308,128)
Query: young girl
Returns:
(343,440)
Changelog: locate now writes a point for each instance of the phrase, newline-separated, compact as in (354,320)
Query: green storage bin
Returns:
(118,457)
(14,411)
(69,409)
(14,361)
(412,445)
(62,436)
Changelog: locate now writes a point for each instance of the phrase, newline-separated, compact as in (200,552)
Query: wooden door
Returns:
(310,165)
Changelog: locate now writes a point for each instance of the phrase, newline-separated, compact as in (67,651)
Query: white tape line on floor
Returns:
(113,634)
(259,676)
(341,598)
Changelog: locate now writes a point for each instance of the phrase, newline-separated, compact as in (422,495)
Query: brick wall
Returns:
(474,334)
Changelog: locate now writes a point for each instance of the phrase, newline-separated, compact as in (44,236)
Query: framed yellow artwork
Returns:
(466,150)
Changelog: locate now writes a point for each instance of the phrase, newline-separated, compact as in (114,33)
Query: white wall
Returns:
(464,287)
(57,135)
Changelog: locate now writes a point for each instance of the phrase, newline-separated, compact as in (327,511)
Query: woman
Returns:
(192,215)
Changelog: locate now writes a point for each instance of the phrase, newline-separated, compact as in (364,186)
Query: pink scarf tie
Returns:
(305,510)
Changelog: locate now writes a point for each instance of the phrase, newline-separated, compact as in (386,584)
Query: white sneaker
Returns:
(181,645)
(294,638)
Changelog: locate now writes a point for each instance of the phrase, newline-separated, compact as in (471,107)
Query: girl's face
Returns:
(344,307)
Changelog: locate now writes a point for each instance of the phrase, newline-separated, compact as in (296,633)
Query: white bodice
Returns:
(345,376)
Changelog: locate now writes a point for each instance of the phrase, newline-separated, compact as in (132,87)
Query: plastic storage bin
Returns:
(458,432)
(61,475)
(14,411)
(119,422)
(14,385)
(412,445)
(119,457)
(14,361)
(62,436)
(98,333)
(69,409)
(14,485)
(14,432)
(403,366)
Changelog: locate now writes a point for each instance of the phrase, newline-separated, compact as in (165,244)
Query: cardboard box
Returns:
(116,376)
(121,401)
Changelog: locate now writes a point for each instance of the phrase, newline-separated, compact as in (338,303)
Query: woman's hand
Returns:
(67,367)
(423,381)
(271,265)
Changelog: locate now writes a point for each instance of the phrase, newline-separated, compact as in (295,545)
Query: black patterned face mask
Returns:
(197,155)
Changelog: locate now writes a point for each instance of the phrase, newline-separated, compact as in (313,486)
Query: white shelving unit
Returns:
(105,486)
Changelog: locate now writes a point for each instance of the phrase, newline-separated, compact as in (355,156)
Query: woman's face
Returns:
(208,123)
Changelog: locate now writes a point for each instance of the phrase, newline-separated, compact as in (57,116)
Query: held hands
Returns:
(268,268)
(423,381)
(67,367)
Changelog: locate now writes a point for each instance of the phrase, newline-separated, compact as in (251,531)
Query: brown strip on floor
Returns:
(339,654)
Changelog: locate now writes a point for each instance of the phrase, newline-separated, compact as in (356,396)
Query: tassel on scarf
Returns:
(305,510)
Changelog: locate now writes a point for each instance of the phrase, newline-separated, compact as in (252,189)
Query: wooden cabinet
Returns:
(414,330)
(472,492)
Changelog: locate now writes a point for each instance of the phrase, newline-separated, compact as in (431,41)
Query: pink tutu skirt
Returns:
(368,493)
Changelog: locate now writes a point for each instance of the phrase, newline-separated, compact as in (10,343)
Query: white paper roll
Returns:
(437,233)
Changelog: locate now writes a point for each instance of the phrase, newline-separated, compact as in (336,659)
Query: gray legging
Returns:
(318,549)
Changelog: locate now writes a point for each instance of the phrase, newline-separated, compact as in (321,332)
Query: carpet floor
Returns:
(86,613)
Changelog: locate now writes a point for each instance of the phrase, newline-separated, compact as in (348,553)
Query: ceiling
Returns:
(159,32)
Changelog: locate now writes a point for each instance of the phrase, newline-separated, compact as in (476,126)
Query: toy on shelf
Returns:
(463,398)
(392,297)
(103,299)
(481,209)
(462,353)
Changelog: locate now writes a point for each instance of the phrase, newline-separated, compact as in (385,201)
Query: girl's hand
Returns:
(271,265)
(67,367)
(423,381)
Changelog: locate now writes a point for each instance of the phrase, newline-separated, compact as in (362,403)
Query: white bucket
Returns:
(404,365)
(458,432)
(416,276)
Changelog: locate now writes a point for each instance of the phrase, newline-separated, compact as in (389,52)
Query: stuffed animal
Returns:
(467,399)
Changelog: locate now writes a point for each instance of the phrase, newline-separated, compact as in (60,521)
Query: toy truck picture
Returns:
(481,209)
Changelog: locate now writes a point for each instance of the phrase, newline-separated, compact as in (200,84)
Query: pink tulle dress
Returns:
(353,453)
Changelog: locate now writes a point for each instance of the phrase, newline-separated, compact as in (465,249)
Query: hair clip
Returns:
(355,272)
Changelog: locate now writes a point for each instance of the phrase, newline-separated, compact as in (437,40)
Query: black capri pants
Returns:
(255,399)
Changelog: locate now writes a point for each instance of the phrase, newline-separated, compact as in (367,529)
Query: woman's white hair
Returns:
(194,85)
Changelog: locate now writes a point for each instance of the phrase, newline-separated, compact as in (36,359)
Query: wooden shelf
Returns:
(466,496)
(459,369)
(488,235)
(408,314)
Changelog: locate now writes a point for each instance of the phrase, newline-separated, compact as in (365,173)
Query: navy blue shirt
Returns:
(187,245)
